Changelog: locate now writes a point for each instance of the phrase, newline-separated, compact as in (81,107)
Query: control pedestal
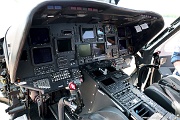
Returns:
(134,103)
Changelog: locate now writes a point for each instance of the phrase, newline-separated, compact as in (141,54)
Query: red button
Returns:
(72,86)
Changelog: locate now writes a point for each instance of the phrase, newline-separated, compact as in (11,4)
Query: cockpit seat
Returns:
(166,93)
(109,113)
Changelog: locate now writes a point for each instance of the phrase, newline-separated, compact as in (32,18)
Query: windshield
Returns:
(9,11)
(169,9)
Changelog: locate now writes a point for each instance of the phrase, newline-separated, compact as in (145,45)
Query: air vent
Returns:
(70,16)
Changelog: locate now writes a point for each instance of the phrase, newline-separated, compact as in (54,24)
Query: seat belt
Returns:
(170,84)
(169,93)
(175,104)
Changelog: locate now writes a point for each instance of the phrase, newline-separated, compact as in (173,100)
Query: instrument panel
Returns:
(54,52)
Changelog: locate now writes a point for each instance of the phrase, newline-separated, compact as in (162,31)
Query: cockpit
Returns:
(77,50)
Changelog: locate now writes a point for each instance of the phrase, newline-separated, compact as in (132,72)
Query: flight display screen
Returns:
(97,73)
(121,32)
(108,81)
(88,33)
(42,55)
(111,40)
(98,49)
(64,45)
(122,44)
(39,36)
(84,50)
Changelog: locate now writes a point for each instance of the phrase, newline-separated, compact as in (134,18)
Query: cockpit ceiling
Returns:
(77,12)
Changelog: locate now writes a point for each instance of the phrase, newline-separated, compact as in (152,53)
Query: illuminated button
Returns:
(81,80)
(79,8)
(73,8)
(95,10)
(90,9)
(57,7)
(85,9)
(50,7)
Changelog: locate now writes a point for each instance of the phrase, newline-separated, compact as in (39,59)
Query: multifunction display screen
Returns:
(108,81)
(98,49)
(88,33)
(64,44)
(39,36)
(111,40)
(84,50)
(42,55)
(122,44)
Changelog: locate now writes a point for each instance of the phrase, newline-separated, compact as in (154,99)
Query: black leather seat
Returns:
(109,113)
(164,98)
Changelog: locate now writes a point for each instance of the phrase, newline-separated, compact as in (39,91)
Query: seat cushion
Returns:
(156,93)
(109,113)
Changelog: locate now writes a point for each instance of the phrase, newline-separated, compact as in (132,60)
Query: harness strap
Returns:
(175,103)
(170,84)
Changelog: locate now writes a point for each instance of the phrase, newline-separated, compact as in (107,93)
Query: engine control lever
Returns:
(75,99)
(103,71)
(70,104)
(72,86)
(62,103)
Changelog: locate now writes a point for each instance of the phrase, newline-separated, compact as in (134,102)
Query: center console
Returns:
(131,100)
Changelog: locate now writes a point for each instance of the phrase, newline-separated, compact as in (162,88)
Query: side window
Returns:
(132,67)
(167,48)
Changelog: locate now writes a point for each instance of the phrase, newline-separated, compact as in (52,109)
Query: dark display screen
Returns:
(111,69)
(39,36)
(64,44)
(87,33)
(111,40)
(42,55)
(97,73)
(98,49)
(121,32)
(122,44)
(108,81)
(84,50)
